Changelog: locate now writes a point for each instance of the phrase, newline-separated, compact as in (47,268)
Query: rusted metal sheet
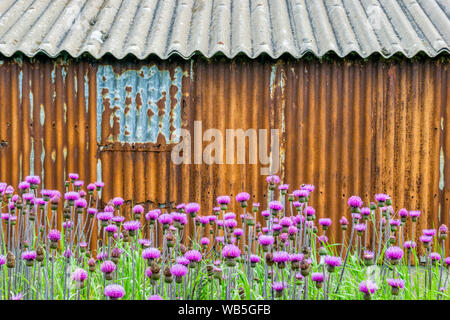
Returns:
(348,127)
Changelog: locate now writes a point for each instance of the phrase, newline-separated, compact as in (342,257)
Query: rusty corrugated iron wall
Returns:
(349,127)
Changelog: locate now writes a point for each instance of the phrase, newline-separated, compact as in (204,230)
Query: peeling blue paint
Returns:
(99,170)
(42,113)
(86,92)
(31,105)
(63,73)
(32,157)
(151,85)
(20,85)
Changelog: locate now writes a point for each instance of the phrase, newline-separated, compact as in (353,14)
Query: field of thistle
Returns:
(288,257)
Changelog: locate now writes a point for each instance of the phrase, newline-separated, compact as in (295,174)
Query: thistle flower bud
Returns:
(40,254)
(155,271)
(91,264)
(269,259)
(10,260)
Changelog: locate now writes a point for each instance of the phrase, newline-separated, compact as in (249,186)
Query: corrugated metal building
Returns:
(359,90)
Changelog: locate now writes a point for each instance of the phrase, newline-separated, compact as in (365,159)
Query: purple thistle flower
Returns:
(28,196)
(296,257)
(276,205)
(183,261)
(280,256)
(192,207)
(117,201)
(265,213)
(396,283)
(310,211)
(223,199)
(165,218)
(273,179)
(112,228)
(447,261)
(443,229)
(132,225)
(18,296)
(394,253)
(317,277)
(365,211)
(333,261)
(276,227)
(204,241)
(381,197)
(301,193)
(81,203)
(78,183)
(254,259)
(368,286)
(99,184)
(361,227)
(108,267)
(414,213)
(230,223)
(231,251)
(73,176)
(67,253)
(193,256)
(33,180)
(151,253)
(114,291)
(308,187)
(90,187)
(355,202)
(118,219)
(109,209)
(425,239)
(104,216)
(54,235)
(343,221)
(323,239)
(152,214)
(395,222)
(429,232)
(29,255)
(368,255)
(434,256)
(403,213)
(24,185)
(292,230)
(155,297)
(325,222)
(178,270)
(285,222)
(242,196)
(237,232)
(2,260)
(138,209)
(71,196)
(229,215)
(79,275)
(278,286)
(283,187)
(409,244)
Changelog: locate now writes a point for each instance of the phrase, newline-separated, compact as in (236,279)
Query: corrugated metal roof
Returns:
(185,27)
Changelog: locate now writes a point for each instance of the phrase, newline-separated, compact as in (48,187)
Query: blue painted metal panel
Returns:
(141,101)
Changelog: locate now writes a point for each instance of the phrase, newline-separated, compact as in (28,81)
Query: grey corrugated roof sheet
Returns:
(186,27)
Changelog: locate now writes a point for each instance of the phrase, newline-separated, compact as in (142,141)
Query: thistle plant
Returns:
(75,245)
